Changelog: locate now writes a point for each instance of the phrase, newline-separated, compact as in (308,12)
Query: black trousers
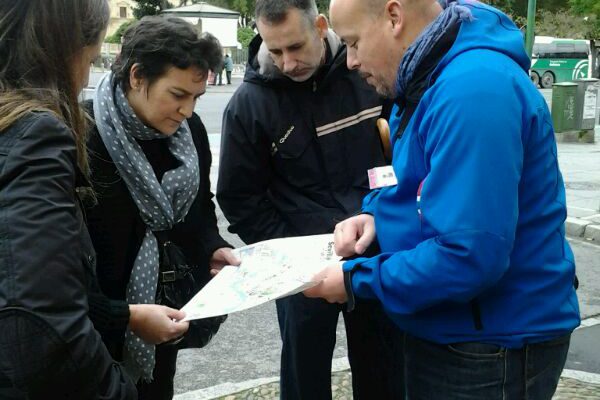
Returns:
(161,388)
(228,73)
(219,77)
(308,331)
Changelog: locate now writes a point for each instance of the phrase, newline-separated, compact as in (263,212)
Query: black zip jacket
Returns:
(294,156)
(48,345)
(117,229)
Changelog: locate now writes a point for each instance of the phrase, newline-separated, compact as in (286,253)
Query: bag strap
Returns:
(166,273)
(162,237)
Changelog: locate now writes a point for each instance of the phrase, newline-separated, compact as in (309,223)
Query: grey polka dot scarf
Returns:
(161,204)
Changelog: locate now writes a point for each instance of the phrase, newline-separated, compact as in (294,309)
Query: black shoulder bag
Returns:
(178,282)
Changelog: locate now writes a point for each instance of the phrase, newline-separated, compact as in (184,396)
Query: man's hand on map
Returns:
(354,235)
(331,287)
(220,258)
(156,324)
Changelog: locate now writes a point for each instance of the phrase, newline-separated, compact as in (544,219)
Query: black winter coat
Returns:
(48,345)
(294,156)
(117,229)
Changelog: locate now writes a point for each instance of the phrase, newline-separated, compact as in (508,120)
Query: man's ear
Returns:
(322,25)
(394,12)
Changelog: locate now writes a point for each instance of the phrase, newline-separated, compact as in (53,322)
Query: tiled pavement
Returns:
(568,389)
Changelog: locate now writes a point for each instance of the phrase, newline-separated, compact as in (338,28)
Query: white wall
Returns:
(224,29)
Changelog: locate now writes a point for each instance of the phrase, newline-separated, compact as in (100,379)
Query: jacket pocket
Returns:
(292,142)
(475,350)
(296,158)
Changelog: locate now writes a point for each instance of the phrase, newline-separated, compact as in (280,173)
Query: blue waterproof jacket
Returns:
(472,238)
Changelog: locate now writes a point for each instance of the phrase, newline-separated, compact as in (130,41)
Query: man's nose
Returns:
(351,59)
(289,63)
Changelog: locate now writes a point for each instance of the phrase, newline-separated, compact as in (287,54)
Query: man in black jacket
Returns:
(298,138)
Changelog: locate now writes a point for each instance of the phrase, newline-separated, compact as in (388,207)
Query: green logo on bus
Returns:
(581,70)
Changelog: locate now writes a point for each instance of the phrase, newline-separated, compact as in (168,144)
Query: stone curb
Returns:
(573,385)
(592,233)
(584,228)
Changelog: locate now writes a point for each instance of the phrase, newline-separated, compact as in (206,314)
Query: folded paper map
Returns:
(269,270)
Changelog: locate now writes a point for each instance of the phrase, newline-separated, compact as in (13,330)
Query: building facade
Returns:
(121,11)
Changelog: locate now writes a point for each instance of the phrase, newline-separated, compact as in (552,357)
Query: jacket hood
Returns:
(490,29)
(261,69)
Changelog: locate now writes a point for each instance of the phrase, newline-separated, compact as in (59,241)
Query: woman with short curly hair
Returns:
(150,163)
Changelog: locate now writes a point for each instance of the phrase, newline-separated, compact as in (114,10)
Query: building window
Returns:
(123,12)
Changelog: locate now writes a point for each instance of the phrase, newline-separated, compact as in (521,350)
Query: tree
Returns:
(563,24)
(323,6)
(518,8)
(586,7)
(116,37)
(577,19)
(150,7)
(508,6)
(244,7)
(245,36)
(590,11)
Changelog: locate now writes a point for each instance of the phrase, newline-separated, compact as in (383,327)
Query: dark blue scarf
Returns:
(421,47)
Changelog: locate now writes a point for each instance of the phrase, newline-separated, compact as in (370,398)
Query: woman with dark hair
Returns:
(150,163)
(48,345)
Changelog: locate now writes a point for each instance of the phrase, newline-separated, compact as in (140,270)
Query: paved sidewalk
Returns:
(568,389)
(236,81)
(580,166)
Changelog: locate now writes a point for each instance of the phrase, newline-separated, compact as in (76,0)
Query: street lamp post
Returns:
(529,35)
